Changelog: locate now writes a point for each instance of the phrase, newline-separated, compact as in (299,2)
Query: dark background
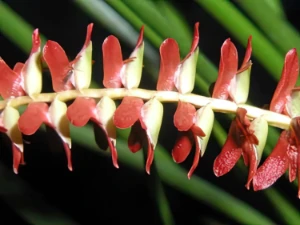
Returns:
(95,192)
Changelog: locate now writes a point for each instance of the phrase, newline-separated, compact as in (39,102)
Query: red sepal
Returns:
(128,112)
(169,62)
(184,116)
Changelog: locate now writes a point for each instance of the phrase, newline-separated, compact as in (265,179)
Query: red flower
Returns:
(286,154)
(184,121)
(63,73)
(84,109)
(241,140)
(228,83)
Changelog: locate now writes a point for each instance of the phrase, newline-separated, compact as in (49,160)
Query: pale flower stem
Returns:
(217,105)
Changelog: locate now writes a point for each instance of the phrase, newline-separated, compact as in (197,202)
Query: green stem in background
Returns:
(276,7)
(241,28)
(277,29)
(20,36)
(174,175)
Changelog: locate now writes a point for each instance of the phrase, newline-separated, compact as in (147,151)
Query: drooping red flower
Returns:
(184,121)
(84,109)
(240,141)
(38,113)
(145,122)
(285,156)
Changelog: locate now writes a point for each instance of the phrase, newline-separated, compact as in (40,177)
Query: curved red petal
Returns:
(114,153)
(195,42)
(247,55)
(136,137)
(287,81)
(250,156)
(18,67)
(196,158)
(169,61)
(17,158)
(81,111)
(128,112)
(150,157)
(59,66)
(10,82)
(68,155)
(230,154)
(36,41)
(88,35)
(274,166)
(184,116)
(112,62)
(182,147)
(197,131)
(227,70)
(140,38)
(33,117)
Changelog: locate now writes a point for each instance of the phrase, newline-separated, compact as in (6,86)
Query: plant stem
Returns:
(218,105)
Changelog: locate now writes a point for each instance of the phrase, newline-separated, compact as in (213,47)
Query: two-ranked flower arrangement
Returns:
(142,110)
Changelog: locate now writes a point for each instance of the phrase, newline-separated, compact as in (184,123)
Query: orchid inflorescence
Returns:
(142,110)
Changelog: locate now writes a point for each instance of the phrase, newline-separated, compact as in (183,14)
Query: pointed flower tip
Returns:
(36,41)
(141,37)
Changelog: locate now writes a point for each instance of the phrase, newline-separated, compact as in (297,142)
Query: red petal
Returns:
(169,61)
(250,156)
(293,165)
(59,66)
(184,116)
(140,38)
(197,131)
(10,82)
(88,35)
(18,67)
(17,158)
(81,111)
(33,117)
(114,153)
(195,41)
(135,139)
(287,81)
(128,112)
(150,157)
(183,146)
(247,55)
(275,165)
(196,158)
(68,154)
(112,62)
(227,70)
(36,41)
(230,154)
